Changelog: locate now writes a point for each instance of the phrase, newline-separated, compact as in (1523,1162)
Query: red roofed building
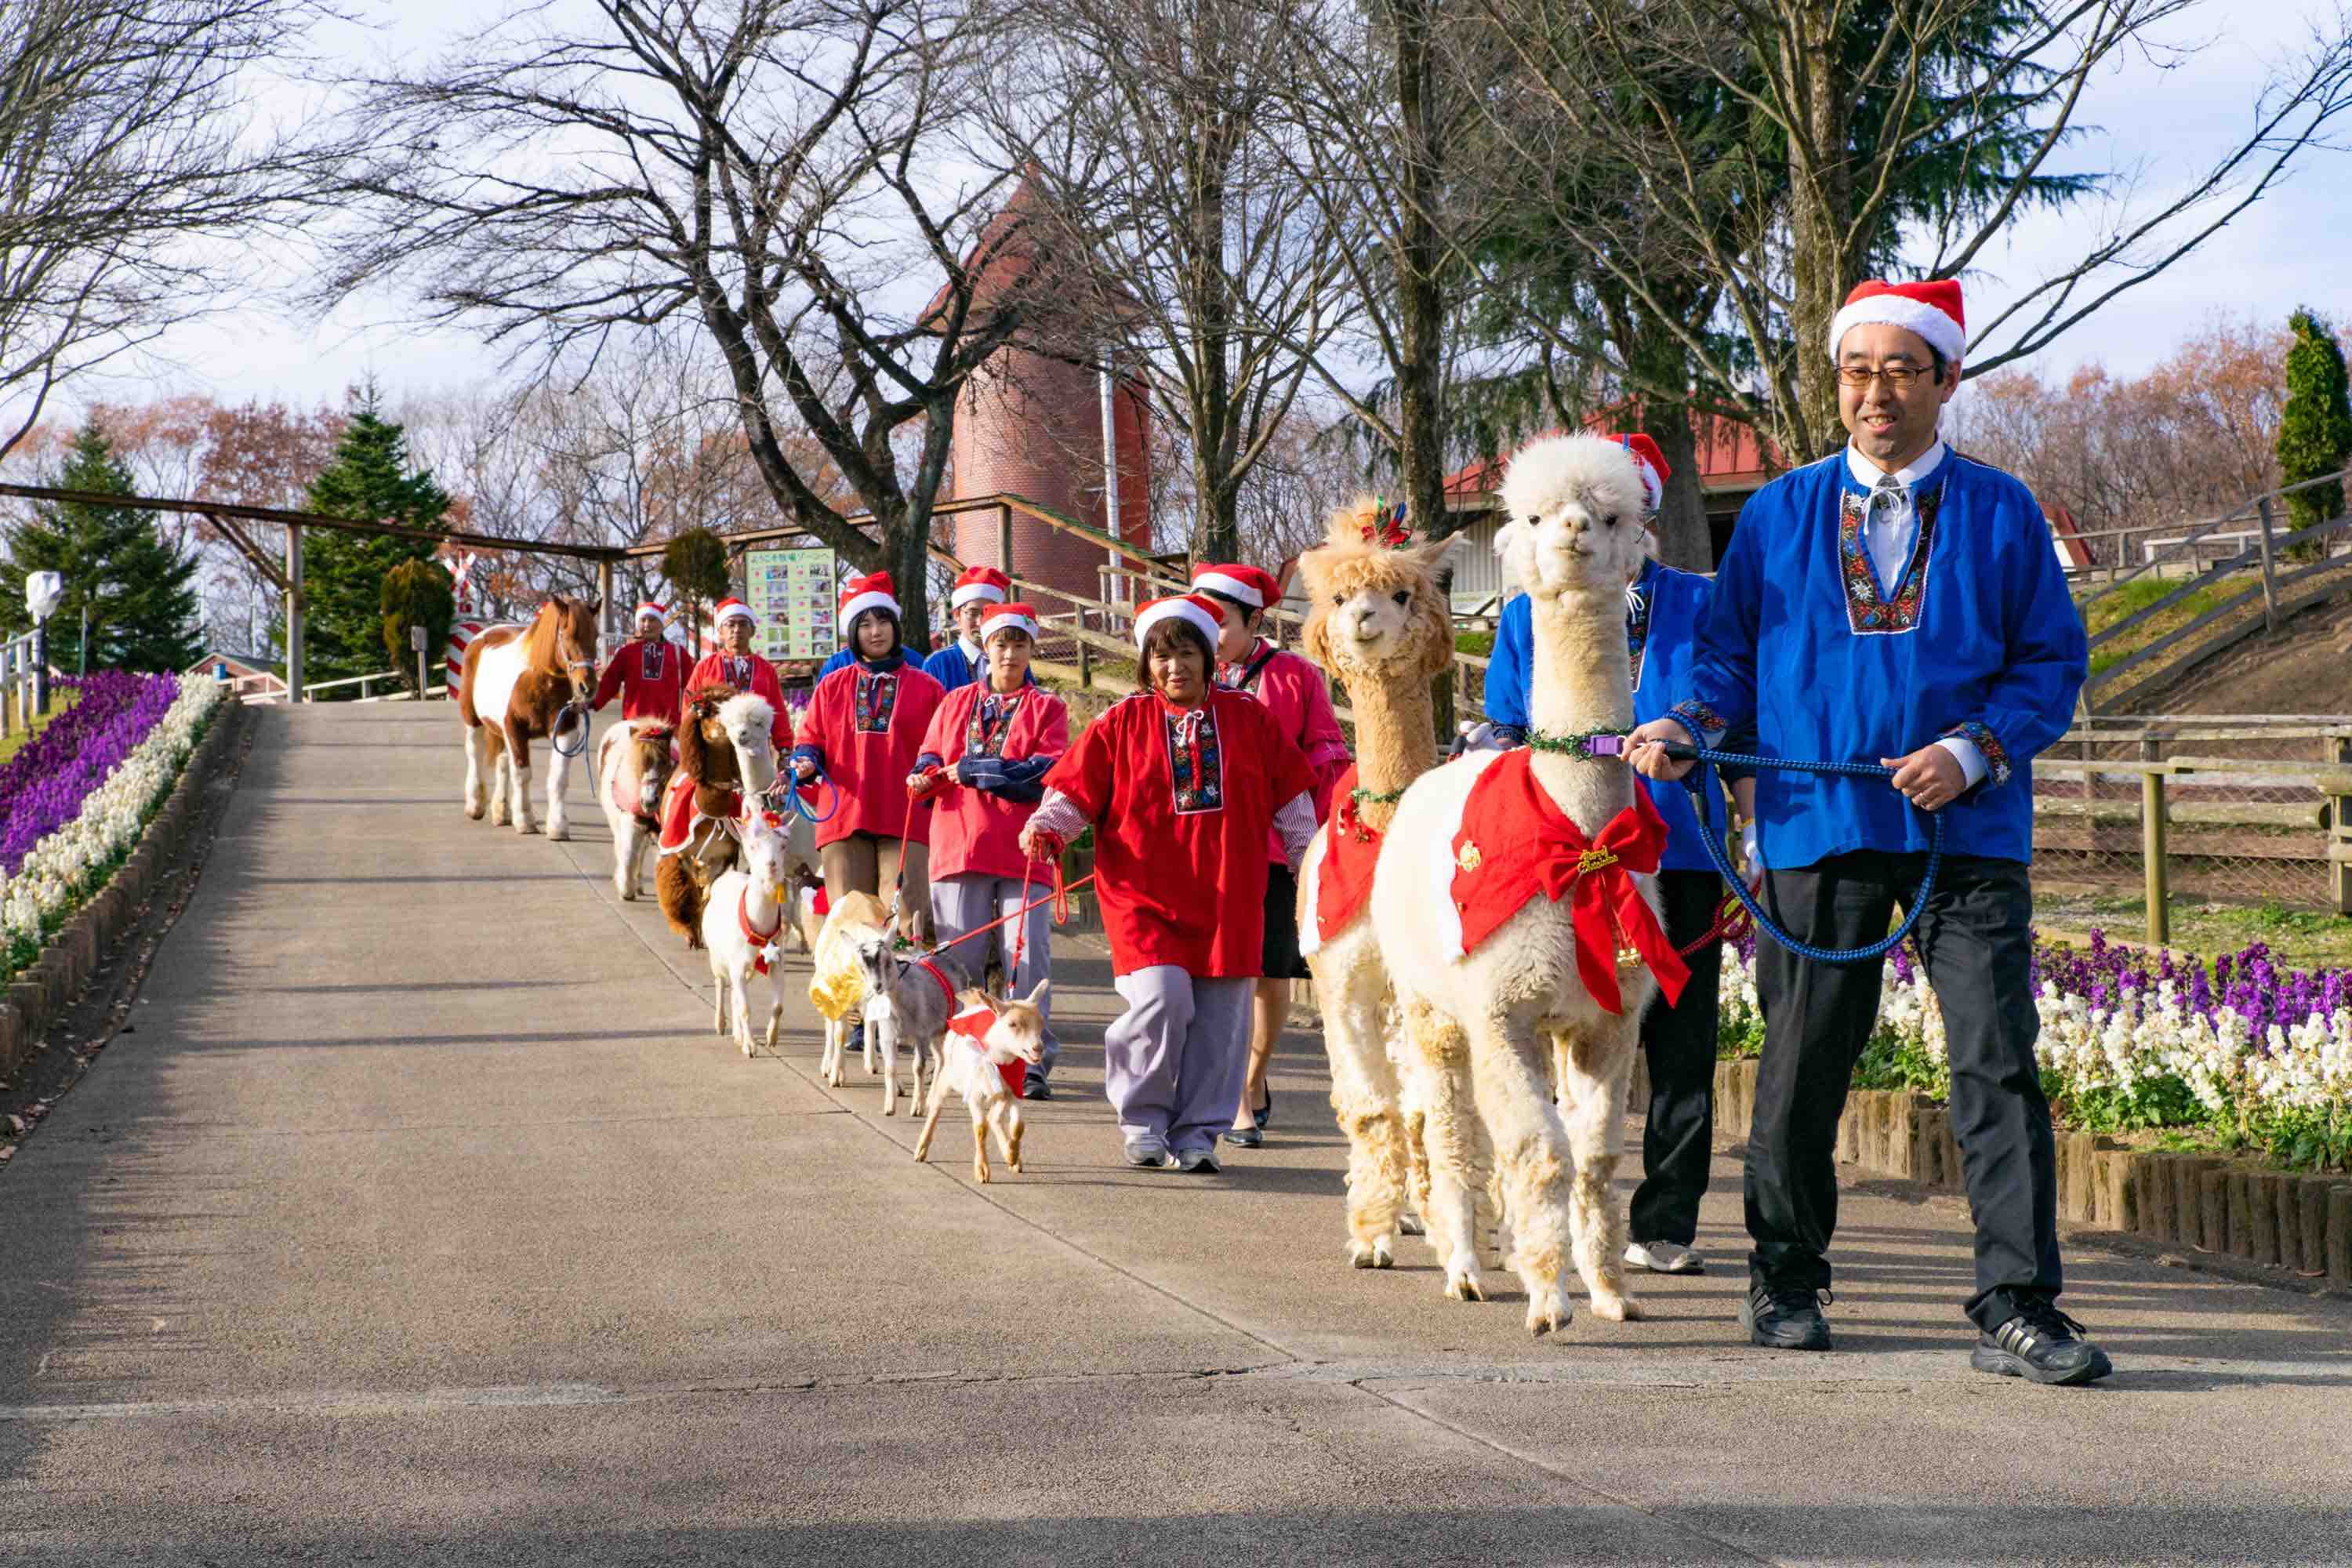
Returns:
(1733,464)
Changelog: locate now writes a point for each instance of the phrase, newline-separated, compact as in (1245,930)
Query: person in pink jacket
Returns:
(1296,694)
(983,765)
(862,728)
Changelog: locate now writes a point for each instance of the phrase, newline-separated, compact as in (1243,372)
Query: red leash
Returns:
(1059,898)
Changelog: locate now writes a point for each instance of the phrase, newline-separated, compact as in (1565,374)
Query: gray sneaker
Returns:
(1149,1153)
(1666,1258)
(1200,1162)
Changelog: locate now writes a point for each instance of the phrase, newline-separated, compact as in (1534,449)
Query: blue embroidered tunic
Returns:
(1978,638)
(1661,637)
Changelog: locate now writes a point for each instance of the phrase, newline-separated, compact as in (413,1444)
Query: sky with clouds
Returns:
(2164,118)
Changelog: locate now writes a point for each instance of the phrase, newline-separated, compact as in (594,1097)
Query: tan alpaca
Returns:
(1380,623)
(1496,1024)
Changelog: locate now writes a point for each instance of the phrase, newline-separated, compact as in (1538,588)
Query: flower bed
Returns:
(2239,1052)
(73,803)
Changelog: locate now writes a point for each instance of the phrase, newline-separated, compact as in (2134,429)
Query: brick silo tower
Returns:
(1031,425)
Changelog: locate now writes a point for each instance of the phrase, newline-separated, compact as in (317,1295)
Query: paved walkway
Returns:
(421,1219)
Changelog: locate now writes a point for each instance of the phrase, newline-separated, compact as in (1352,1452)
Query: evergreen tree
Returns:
(138,586)
(2315,427)
(370,480)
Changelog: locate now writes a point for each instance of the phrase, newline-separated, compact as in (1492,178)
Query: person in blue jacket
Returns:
(1662,609)
(1896,604)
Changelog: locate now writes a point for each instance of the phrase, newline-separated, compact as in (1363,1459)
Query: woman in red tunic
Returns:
(1299,697)
(1181,784)
(983,764)
(862,728)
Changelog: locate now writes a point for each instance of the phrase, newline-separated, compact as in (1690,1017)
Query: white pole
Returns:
(1111,515)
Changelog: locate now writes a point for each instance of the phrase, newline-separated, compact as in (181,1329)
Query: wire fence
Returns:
(2237,808)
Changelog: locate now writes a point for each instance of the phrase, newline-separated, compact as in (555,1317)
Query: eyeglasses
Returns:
(1897,375)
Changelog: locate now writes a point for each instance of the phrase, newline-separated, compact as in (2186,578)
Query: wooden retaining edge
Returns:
(37,995)
(2296,1222)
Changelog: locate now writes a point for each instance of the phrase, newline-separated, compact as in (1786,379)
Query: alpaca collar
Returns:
(1590,745)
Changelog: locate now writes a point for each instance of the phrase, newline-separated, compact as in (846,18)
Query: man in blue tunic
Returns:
(1901,603)
(1663,611)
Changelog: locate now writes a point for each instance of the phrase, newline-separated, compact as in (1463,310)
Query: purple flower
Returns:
(42,787)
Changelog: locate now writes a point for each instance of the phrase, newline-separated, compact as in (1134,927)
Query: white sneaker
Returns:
(1666,1258)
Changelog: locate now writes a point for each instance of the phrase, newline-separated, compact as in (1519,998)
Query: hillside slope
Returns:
(2305,667)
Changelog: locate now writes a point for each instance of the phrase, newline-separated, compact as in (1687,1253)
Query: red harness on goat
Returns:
(1514,842)
(971,1025)
(762,942)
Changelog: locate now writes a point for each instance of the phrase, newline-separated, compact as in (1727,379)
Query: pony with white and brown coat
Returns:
(634,762)
(523,684)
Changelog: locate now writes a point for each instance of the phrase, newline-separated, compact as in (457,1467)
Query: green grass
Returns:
(60,699)
(2300,938)
(1477,644)
(2130,600)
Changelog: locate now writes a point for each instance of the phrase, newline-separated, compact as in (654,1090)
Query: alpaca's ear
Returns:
(1430,553)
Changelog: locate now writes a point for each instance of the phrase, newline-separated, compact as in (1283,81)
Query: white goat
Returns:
(743,927)
(984,1039)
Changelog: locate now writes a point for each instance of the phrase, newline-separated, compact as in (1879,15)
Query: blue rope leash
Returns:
(801,808)
(1708,801)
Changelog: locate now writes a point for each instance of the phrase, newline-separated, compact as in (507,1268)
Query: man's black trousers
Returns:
(1679,1139)
(1972,934)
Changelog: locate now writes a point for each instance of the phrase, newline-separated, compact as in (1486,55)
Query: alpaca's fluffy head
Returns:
(1572,516)
(1376,611)
(750,721)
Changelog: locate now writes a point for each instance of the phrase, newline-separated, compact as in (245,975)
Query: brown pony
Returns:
(522,683)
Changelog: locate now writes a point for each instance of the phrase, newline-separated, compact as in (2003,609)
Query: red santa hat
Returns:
(1931,310)
(983,583)
(1247,585)
(1653,466)
(1201,613)
(1015,616)
(650,608)
(731,609)
(875,591)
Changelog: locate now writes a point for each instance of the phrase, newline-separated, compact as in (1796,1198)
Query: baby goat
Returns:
(908,999)
(985,1039)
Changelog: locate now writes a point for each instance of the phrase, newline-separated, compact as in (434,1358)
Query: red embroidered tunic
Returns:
(1182,804)
(1351,851)
(649,675)
(744,672)
(974,830)
(1294,692)
(863,728)
(1514,842)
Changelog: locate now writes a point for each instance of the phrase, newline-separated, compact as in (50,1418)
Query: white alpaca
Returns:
(633,767)
(1016,1032)
(1381,624)
(1497,1023)
(742,923)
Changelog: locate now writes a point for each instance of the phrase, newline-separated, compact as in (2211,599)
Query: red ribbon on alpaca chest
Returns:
(1351,852)
(1514,842)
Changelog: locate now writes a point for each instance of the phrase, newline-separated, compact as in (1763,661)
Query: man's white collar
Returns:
(1867,473)
(971,649)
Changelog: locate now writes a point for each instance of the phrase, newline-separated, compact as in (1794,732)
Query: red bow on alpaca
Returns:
(1514,842)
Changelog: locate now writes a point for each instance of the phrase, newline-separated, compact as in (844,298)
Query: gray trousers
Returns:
(1173,1062)
(962,904)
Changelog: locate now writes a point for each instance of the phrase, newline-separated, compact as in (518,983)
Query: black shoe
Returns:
(1199,1162)
(1786,1318)
(1244,1137)
(1263,1114)
(1035,1088)
(2041,1342)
